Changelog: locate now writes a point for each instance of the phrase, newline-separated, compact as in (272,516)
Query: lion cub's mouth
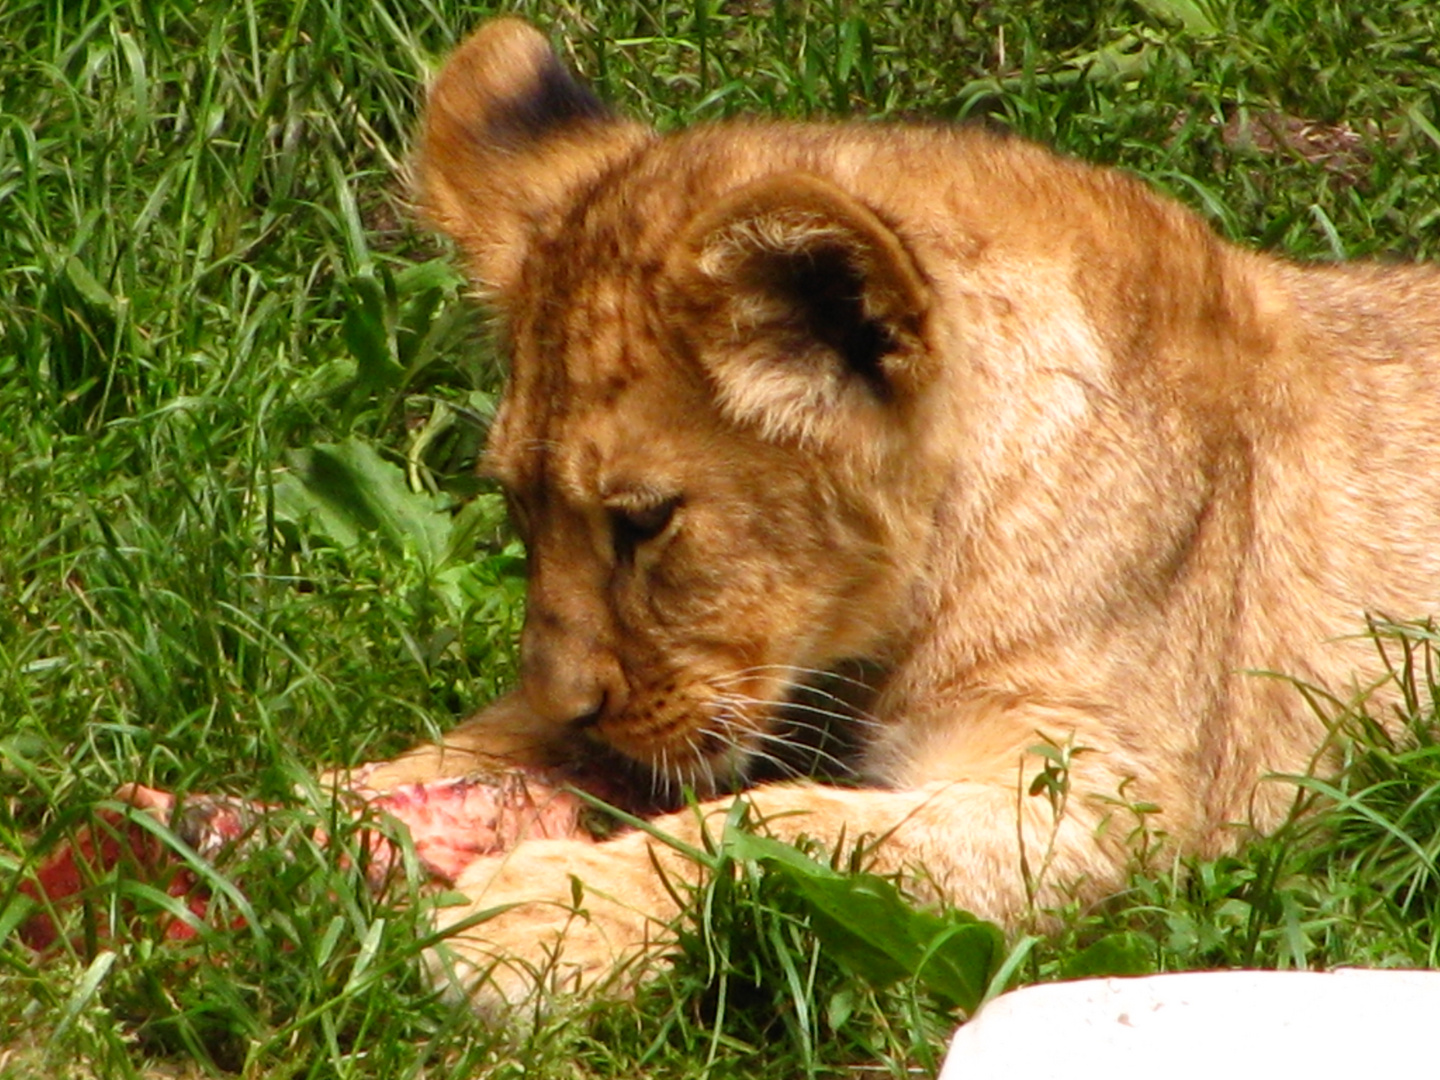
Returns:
(750,728)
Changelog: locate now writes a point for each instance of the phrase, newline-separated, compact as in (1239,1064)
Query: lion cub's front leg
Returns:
(504,736)
(572,915)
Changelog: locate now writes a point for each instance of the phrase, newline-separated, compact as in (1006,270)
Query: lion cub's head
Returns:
(714,430)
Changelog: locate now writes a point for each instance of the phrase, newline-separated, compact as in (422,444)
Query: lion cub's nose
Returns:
(570,684)
(561,695)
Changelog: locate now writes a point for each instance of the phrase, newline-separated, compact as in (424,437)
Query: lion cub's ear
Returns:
(508,137)
(803,304)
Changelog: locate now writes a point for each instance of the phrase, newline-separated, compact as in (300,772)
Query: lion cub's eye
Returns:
(635,525)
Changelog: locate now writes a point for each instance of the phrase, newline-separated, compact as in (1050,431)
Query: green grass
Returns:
(215,315)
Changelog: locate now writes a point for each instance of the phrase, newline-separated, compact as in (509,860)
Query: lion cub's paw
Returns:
(558,916)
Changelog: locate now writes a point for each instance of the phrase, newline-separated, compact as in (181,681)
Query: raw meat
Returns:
(450,822)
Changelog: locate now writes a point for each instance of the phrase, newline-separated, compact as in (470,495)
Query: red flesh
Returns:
(451,822)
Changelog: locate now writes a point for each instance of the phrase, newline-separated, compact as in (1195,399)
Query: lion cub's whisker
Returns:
(848,710)
(796,675)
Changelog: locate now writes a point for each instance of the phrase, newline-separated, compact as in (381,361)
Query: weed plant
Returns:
(240,398)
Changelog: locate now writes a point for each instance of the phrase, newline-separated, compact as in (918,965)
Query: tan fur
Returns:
(1055,461)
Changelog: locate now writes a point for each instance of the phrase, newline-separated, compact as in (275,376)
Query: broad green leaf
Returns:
(347,491)
(1122,953)
(870,928)
(745,845)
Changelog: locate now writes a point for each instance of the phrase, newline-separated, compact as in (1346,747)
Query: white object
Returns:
(1220,1025)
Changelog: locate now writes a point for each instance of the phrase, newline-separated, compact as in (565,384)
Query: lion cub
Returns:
(1058,465)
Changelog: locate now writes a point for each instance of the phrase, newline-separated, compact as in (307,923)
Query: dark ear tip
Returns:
(506,85)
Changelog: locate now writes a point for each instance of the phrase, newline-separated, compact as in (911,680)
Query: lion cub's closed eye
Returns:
(637,520)
(1021,438)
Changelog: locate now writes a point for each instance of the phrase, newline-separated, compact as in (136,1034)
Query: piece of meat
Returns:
(113,842)
(450,823)
(453,822)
